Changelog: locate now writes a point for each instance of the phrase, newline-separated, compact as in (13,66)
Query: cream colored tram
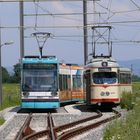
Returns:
(106,81)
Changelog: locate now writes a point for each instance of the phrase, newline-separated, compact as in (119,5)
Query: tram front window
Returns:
(39,80)
(104,77)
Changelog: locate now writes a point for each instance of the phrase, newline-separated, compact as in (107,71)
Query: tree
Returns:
(5,75)
(17,71)
(135,78)
(15,78)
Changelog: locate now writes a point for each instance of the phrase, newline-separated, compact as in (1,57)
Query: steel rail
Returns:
(68,125)
(59,128)
(52,134)
(36,135)
(51,131)
(25,129)
(79,130)
(48,132)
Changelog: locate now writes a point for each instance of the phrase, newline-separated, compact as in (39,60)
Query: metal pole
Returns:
(85,31)
(21,6)
(0,72)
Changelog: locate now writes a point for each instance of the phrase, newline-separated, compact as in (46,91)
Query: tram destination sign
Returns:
(40,66)
(104,69)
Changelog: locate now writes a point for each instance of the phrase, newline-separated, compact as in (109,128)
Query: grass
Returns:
(129,128)
(128,100)
(1,120)
(11,96)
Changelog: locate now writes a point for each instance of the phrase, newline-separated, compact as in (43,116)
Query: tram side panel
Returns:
(71,83)
(125,81)
(77,83)
(64,84)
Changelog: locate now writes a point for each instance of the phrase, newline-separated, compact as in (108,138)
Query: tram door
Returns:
(88,87)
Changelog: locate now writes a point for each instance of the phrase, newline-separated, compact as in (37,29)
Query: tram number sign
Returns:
(104,69)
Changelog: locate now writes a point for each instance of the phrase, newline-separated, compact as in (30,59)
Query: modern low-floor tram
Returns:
(45,83)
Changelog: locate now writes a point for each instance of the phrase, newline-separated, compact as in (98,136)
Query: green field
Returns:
(11,96)
(128,129)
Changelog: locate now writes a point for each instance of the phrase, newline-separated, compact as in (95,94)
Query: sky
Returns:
(66,41)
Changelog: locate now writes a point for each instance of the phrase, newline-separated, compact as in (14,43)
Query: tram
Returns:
(45,83)
(106,81)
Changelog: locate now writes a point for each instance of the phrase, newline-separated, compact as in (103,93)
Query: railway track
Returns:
(70,130)
(25,129)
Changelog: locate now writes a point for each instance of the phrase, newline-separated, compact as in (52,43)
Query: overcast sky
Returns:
(67,43)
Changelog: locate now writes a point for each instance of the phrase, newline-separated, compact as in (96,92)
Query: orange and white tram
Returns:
(106,81)
(71,83)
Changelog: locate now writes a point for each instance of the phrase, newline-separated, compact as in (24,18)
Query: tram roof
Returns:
(36,59)
(99,61)
(124,69)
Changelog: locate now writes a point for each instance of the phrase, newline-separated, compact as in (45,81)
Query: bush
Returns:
(127,100)
(128,128)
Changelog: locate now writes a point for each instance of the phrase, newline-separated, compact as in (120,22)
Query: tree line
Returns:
(15,77)
(11,78)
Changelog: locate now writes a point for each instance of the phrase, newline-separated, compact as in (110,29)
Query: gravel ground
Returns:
(39,122)
(95,134)
(60,119)
(9,130)
(9,112)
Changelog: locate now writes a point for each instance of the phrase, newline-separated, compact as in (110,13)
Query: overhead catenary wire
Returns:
(135,4)
(65,14)
(111,12)
(74,26)
(117,41)
(42,0)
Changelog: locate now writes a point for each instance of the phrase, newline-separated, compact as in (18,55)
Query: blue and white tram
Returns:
(46,83)
(39,82)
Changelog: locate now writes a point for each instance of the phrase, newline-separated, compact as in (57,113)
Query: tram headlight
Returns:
(25,93)
(102,93)
(54,93)
(107,93)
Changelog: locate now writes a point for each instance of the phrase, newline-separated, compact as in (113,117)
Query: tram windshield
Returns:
(104,77)
(39,80)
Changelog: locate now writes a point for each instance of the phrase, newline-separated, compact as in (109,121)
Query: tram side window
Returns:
(77,83)
(60,82)
(63,82)
(125,78)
